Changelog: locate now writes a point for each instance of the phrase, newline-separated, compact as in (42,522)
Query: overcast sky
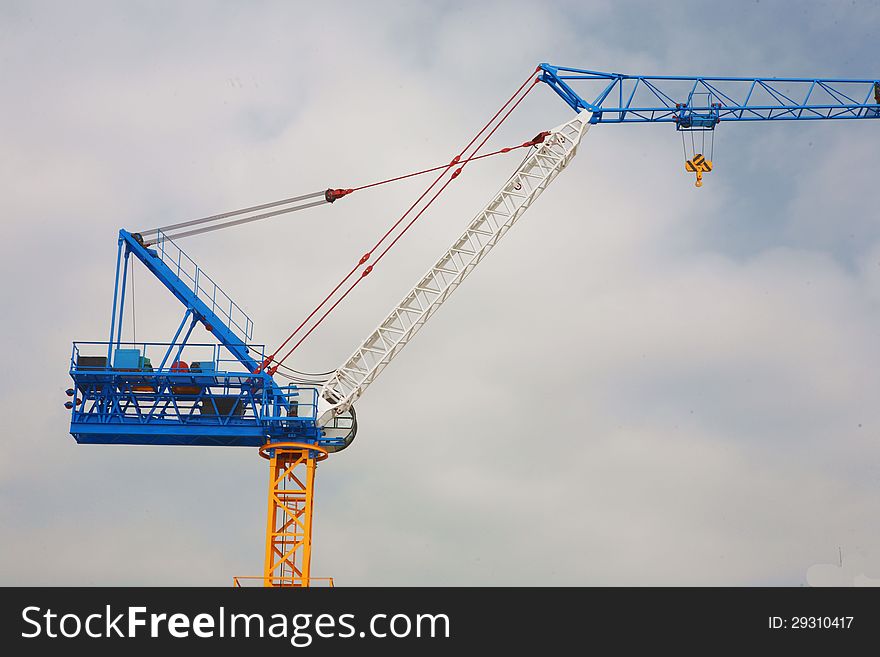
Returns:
(645,383)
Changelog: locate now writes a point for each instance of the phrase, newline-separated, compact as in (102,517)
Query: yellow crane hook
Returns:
(698,165)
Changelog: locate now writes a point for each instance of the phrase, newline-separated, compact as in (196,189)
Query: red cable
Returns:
(382,182)
(369,269)
(500,151)
(363,259)
(454,161)
(366,256)
(455,175)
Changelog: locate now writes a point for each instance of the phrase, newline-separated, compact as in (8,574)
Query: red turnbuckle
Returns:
(332,194)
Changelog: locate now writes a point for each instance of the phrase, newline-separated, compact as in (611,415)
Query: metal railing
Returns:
(163,389)
(162,355)
(204,287)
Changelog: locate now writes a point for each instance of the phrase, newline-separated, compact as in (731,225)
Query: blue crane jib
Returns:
(183,393)
(700,103)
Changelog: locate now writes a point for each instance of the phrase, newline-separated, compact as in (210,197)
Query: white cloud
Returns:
(643,384)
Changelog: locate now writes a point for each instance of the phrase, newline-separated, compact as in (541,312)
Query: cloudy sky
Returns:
(644,384)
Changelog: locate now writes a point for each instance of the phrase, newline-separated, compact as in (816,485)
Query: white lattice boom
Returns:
(532,177)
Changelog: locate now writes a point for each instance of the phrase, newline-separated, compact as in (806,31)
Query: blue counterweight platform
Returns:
(180,393)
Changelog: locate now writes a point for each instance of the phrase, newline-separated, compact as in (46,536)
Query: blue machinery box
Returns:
(131,359)
(127,359)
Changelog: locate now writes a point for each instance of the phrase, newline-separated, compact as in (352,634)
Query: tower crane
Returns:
(227,392)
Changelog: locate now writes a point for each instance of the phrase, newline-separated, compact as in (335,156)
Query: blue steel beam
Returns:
(703,102)
(191,300)
(189,295)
